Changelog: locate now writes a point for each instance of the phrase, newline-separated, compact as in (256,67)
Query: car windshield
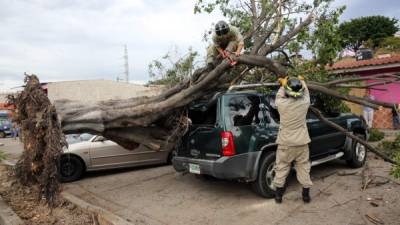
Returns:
(5,122)
(76,138)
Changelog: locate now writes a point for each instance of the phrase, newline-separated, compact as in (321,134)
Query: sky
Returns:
(76,40)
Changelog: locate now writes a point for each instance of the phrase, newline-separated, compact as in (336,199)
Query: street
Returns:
(159,195)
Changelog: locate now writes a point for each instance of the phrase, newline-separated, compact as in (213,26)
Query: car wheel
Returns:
(2,134)
(71,168)
(263,185)
(358,153)
(171,155)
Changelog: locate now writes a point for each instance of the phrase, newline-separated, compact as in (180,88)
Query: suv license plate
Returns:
(194,168)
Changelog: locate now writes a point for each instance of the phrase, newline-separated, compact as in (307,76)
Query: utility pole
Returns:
(126,64)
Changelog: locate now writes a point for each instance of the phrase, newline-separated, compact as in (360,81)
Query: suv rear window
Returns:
(204,116)
(242,110)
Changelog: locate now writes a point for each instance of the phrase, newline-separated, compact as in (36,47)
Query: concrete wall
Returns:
(98,90)
(356,108)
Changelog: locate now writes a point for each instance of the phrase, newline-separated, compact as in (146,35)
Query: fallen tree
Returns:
(159,121)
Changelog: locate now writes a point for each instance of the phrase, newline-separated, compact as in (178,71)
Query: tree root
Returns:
(43,140)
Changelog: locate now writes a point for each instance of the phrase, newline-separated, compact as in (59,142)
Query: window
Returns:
(271,109)
(243,110)
(206,116)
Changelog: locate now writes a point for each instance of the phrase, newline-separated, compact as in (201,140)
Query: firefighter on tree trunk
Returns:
(227,41)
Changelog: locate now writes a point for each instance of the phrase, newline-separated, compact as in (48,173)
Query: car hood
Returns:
(78,146)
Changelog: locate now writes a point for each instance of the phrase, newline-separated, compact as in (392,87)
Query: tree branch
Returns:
(270,48)
(352,136)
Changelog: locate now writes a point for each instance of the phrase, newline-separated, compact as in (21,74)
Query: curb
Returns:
(104,217)
(7,215)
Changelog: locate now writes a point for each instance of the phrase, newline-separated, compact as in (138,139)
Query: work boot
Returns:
(306,195)
(278,194)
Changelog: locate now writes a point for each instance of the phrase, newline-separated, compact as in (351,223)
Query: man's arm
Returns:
(217,46)
(306,91)
(239,39)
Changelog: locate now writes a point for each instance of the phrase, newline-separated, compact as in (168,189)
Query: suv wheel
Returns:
(2,134)
(358,153)
(263,185)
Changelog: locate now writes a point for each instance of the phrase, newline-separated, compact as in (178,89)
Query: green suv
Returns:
(232,136)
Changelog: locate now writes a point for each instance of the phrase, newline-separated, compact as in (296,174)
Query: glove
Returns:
(227,54)
(282,81)
(300,77)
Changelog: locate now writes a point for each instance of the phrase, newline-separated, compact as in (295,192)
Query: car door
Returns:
(108,154)
(324,139)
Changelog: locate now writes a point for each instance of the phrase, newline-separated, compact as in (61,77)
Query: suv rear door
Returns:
(203,138)
(243,116)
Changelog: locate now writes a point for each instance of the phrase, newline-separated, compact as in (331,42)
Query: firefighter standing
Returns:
(292,101)
(227,40)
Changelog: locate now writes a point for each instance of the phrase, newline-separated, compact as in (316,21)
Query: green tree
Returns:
(391,44)
(374,28)
(172,68)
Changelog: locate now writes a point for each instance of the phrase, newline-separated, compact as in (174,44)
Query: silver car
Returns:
(91,152)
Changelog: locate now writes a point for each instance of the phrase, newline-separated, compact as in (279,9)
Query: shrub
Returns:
(376,135)
(396,168)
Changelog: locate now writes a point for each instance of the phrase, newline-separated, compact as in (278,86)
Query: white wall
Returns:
(98,90)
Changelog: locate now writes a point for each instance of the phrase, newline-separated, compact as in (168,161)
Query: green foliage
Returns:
(322,39)
(375,135)
(392,149)
(391,44)
(3,156)
(396,169)
(374,28)
(170,70)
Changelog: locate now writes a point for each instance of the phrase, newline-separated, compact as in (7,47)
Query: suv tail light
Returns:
(228,147)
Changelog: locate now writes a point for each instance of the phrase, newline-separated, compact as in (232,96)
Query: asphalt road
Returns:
(159,195)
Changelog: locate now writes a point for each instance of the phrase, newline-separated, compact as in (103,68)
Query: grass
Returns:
(392,149)
(375,135)
(3,155)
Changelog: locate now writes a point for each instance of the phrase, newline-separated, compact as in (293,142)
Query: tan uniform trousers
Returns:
(212,51)
(285,155)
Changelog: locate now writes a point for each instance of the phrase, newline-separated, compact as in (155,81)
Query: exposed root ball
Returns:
(43,140)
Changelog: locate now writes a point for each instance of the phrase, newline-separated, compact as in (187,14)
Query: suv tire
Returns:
(2,134)
(358,153)
(263,185)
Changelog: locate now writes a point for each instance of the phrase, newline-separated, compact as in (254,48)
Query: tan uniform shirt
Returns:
(232,35)
(292,111)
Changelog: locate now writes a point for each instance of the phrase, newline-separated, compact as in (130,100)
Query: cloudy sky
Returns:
(75,39)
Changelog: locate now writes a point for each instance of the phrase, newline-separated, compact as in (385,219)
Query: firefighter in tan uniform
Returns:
(226,40)
(292,101)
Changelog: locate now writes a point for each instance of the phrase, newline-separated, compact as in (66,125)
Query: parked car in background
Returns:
(233,137)
(5,124)
(88,152)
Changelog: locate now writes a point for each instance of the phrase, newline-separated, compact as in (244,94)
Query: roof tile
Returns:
(362,63)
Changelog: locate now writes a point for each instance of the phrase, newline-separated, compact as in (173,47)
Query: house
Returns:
(383,64)
(3,102)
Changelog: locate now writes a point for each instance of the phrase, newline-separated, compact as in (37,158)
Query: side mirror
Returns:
(100,138)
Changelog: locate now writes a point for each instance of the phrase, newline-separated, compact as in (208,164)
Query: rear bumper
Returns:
(7,132)
(243,166)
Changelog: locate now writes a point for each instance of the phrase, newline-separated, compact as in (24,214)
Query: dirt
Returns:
(33,211)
